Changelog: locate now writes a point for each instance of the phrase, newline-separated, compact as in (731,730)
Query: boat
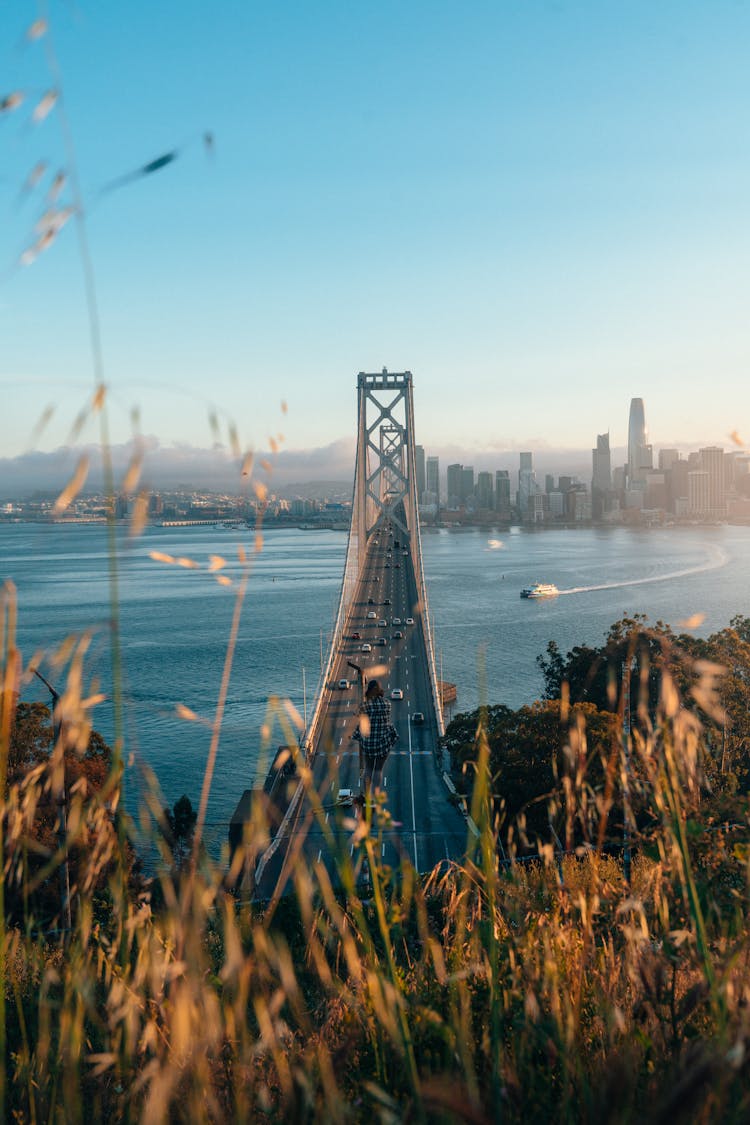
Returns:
(540,590)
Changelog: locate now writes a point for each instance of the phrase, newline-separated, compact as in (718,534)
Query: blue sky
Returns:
(540,209)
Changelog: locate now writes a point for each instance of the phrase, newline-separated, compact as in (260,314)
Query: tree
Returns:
(543,761)
(38,781)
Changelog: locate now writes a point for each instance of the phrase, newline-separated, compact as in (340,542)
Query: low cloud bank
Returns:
(173,467)
(188,467)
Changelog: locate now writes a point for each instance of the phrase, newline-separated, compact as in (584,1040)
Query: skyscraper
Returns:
(502,493)
(526,482)
(640,456)
(467,484)
(484,492)
(601,477)
(454,479)
(712,463)
(432,477)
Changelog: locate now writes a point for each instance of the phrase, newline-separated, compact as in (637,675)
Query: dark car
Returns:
(356,636)
(371,601)
(397,635)
(387,601)
(417,717)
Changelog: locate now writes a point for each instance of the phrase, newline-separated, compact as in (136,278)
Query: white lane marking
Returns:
(413,810)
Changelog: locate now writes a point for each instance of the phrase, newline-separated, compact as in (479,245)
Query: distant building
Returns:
(527,485)
(640,453)
(667,458)
(467,486)
(454,484)
(699,493)
(432,478)
(677,487)
(502,493)
(556,504)
(655,494)
(712,462)
(601,476)
(578,504)
(537,506)
(485,491)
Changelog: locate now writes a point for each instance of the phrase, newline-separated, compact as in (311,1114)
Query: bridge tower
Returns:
(385,483)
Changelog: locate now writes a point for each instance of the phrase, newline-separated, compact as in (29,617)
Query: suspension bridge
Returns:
(382,625)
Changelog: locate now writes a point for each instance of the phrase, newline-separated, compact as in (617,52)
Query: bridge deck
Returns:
(425,826)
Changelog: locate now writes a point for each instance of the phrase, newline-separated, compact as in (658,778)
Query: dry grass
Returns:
(543,991)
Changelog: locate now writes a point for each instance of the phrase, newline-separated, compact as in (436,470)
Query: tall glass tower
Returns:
(639,451)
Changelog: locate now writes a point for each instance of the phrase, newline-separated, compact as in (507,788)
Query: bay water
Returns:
(175,622)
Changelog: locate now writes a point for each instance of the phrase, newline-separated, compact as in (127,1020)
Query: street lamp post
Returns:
(62,831)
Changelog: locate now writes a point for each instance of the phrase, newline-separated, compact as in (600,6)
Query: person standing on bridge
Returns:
(376,735)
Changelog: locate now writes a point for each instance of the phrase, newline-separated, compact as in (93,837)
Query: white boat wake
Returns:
(717,558)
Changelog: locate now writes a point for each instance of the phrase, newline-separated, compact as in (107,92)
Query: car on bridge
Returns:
(409,621)
(398,635)
(356,636)
(396,621)
(397,693)
(417,718)
(372,615)
(366,647)
(371,601)
(387,601)
(378,640)
(344,685)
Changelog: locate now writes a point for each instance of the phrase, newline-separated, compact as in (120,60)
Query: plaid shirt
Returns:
(383,735)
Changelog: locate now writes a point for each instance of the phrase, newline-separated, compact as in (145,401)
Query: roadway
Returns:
(424,826)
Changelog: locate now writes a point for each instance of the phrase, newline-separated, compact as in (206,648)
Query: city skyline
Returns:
(532,208)
(196,466)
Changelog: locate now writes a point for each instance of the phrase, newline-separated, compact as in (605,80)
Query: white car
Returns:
(382,624)
(343,685)
(372,615)
(409,621)
(345,797)
(397,693)
(396,621)
(365,647)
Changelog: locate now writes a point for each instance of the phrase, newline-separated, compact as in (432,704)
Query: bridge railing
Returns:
(311,734)
(426,624)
